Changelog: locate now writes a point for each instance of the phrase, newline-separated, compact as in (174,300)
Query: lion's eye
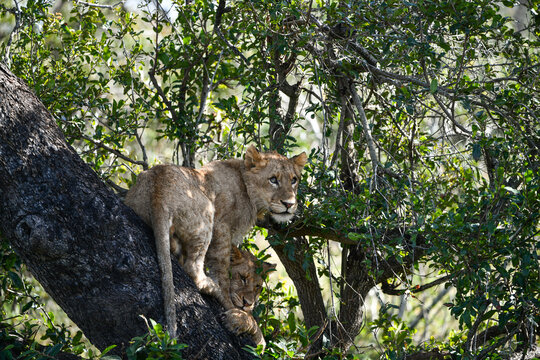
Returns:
(273,180)
(243,278)
(294,180)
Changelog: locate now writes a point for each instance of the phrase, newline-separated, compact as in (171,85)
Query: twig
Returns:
(219,13)
(429,355)
(388,290)
(143,149)
(120,190)
(207,88)
(79,2)
(152,75)
(493,332)
(472,331)
(313,340)
(114,151)
(132,95)
(426,309)
(367,132)
(499,343)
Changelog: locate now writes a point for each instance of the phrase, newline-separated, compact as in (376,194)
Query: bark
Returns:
(357,284)
(90,252)
(307,286)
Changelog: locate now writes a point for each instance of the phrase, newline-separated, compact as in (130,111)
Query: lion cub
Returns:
(246,278)
(209,209)
(246,286)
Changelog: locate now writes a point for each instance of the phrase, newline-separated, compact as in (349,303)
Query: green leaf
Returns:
(511,189)
(77,337)
(434,86)
(16,279)
(52,351)
(477,152)
(5,354)
(27,306)
(291,320)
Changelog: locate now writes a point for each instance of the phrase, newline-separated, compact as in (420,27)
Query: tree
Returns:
(88,250)
(422,122)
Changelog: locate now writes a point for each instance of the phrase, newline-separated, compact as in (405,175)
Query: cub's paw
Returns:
(208,286)
(238,321)
(259,339)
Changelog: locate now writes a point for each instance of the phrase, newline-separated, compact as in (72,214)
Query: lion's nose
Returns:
(246,303)
(287,204)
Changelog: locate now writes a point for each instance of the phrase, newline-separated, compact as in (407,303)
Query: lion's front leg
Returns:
(218,260)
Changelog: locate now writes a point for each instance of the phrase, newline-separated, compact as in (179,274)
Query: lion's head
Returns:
(247,275)
(272,181)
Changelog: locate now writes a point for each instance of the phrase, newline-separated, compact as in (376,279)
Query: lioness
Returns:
(209,209)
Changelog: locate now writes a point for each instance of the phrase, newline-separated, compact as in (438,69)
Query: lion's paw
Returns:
(208,286)
(238,321)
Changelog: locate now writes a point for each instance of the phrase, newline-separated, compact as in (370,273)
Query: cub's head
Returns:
(272,181)
(246,278)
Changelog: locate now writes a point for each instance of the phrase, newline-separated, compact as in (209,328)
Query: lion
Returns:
(203,212)
(247,279)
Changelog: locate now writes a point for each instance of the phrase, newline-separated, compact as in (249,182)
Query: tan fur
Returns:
(202,212)
(246,285)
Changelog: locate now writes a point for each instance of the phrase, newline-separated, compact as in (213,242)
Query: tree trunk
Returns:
(90,252)
(357,284)
(307,286)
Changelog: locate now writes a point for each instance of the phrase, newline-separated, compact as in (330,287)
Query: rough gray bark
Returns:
(90,252)
(308,289)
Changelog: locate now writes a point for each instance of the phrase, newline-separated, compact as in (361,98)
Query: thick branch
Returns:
(307,230)
(90,252)
(307,285)
(357,284)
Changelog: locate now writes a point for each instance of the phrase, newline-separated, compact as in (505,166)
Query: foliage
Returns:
(157,344)
(420,117)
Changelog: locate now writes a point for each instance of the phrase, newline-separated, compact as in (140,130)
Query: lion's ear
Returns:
(236,255)
(300,160)
(268,267)
(253,158)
